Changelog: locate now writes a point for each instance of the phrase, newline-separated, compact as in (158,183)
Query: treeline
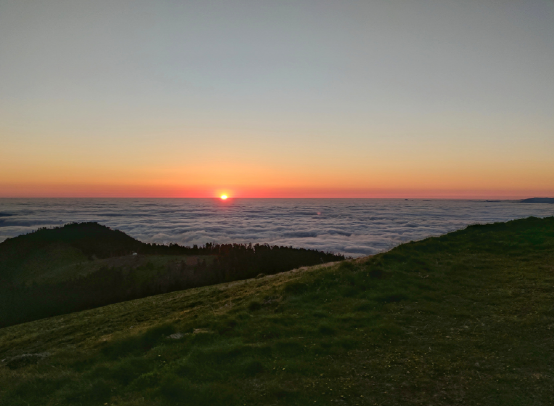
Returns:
(217,263)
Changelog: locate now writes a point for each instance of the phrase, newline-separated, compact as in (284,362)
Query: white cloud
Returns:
(354,227)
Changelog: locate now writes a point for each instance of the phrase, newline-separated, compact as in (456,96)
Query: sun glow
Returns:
(223,197)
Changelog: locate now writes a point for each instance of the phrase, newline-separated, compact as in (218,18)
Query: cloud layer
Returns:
(354,227)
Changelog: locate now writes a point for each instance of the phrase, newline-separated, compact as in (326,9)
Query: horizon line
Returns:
(496,198)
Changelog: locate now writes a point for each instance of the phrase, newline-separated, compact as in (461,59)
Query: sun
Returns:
(223,197)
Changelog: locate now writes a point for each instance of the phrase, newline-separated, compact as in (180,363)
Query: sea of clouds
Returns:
(354,227)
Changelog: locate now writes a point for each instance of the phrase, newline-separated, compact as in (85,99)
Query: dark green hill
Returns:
(30,255)
(462,319)
(86,265)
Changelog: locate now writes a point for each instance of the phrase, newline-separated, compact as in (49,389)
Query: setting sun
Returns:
(223,197)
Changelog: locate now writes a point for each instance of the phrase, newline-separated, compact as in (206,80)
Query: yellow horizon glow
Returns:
(380,166)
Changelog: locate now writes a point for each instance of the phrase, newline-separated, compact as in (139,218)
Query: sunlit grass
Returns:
(465,318)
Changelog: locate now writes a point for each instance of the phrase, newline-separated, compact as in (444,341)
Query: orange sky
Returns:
(127,191)
(169,165)
(260,182)
(355,99)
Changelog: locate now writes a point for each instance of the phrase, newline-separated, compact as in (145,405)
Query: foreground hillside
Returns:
(463,319)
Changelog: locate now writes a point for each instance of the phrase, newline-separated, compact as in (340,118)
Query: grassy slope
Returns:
(83,267)
(47,253)
(49,262)
(466,318)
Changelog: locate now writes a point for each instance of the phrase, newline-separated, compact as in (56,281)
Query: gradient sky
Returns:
(283,98)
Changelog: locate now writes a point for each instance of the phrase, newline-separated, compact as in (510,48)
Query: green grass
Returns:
(79,267)
(49,263)
(462,319)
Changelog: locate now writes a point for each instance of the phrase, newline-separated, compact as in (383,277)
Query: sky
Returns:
(431,99)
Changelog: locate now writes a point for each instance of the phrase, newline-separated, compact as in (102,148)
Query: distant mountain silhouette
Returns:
(538,200)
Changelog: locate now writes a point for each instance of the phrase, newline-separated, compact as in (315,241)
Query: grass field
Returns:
(462,319)
(81,267)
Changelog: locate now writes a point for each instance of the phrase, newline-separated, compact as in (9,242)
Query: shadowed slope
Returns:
(86,265)
(28,255)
